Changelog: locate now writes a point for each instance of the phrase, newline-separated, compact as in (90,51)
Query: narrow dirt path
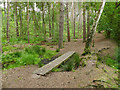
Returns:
(21,77)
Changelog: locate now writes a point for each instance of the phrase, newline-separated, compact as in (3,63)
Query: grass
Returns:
(112,63)
(29,56)
(8,48)
(70,65)
(109,61)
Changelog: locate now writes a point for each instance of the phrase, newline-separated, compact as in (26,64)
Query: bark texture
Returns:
(49,6)
(28,20)
(17,32)
(8,9)
(90,36)
(68,32)
(53,22)
(88,23)
(61,25)
(84,24)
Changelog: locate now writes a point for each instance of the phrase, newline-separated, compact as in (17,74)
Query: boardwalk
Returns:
(48,67)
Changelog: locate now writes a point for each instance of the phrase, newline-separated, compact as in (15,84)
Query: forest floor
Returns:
(22,77)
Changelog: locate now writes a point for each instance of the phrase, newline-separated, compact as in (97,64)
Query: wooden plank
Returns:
(48,67)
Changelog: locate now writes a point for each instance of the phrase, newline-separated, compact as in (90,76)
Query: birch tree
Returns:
(93,30)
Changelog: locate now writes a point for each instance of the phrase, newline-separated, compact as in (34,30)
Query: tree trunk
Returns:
(74,20)
(43,24)
(84,24)
(88,24)
(49,6)
(61,25)
(20,14)
(90,36)
(28,20)
(53,22)
(34,19)
(68,32)
(8,9)
(17,32)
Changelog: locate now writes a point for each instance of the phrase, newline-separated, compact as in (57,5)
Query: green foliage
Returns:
(77,60)
(27,59)
(40,64)
(83,63)
(17,54)
(110,62)
(72,63)
(28,56)
(55,70)
(69,66)
(36,49)
(43,50)
(99,58)
(51,46)
(8,48)
(97,64)
(57,50)
(110,20)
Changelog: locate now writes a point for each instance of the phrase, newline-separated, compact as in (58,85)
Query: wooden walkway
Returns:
(48,67)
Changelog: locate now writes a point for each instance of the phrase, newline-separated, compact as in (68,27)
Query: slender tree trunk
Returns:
(68,32)
(90,36)
(4,25)
(17,32)
(88,24)
(43,18)
(84,24)
(74,20)
(49,6)
(8,9)
(79,25)
(53,22)
(34,19)
(61,25)
(28,20)
(20,15)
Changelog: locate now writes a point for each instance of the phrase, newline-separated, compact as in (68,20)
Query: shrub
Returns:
(36,49)
(43,50)
(28,50)
(27,59)
(57,50)
(110,62)
(77,60)
(40,64)
(17,54)
(68,66)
